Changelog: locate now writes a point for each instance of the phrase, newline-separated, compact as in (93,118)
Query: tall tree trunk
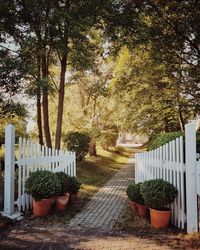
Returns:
(181,120)
(93,147)
(61,101)
(39,117)
(39,110)
(166,125)
(45,103)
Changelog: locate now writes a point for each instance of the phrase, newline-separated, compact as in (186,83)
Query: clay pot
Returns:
(42,207)
(142,211)
(61,202)
(160,219)
(73,198)
(134,207)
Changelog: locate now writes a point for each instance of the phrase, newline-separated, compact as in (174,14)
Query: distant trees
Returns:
(153,100)
(162,82)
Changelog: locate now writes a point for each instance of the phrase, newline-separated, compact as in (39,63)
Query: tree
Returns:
(172,30)
(152,100)
(74,45)
(58,31)
(12,113)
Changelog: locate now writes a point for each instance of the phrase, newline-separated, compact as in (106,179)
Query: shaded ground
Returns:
(53,232)
(130,232)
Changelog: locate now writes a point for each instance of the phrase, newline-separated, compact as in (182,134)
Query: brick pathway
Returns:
(105,207)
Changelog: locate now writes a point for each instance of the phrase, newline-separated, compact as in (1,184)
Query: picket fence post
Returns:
(9,170)
(191,182)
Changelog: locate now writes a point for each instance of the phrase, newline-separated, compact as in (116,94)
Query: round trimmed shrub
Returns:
(64,181)
(79,143)
(158,193)
(74,185)
(134,194)
(42,184)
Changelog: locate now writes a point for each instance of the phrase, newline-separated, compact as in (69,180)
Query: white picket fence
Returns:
(31,156)
(178,165)
(166,163)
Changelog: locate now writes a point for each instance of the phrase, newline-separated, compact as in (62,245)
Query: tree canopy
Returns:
(101,65)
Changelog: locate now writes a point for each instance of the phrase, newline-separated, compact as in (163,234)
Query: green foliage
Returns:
(134,194)
(94,133)
(18,122)
(64,181)
(198,141)
(108,139)
(12,71)
(74,185)
(77,142)
(152,101)
(158,193)
(162,139)
(42,184)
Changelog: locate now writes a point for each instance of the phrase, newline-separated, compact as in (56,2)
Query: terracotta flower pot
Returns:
(42,207)
(61,202)
(160,219)
(73,198)
(142,210)
(134,207)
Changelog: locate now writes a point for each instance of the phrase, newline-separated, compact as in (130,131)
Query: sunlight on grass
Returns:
(93,172)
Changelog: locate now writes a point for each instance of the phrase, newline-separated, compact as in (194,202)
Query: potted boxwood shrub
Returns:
(62,198)
(73,188)
(157,195)
(133,193)
(142,209)
(42,185)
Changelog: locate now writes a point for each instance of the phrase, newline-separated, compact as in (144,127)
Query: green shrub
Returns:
(74,185)
(108,139)
(134,194)
(198,141)
(79,143)
(162,139)
(42,184)
(158,193)
(64,181)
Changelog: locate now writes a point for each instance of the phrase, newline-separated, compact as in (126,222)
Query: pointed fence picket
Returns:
(166,163)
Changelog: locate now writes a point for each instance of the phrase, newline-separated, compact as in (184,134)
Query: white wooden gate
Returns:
(30,157)
(178,165)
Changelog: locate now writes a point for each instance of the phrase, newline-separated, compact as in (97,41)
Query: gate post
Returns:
(191,181)
(9,170)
